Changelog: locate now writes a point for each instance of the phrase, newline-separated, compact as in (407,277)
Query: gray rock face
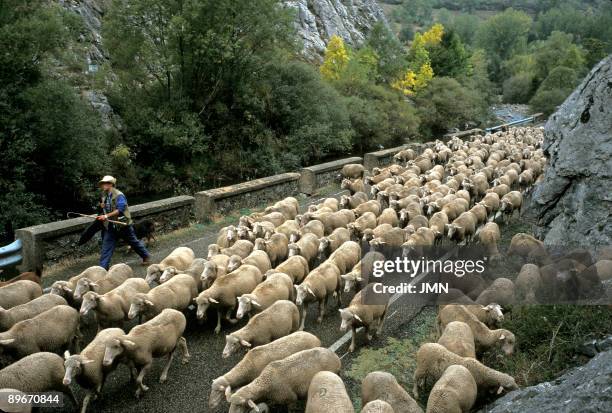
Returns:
(573,205)
(318,20)
(583,389)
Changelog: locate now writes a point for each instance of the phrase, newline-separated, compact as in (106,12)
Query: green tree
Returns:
(557,86)
(391,57)
(503,35)
(51,142)
(449,57)
(446,104)
(557,50)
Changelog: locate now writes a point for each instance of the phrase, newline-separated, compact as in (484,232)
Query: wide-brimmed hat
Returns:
(107,180)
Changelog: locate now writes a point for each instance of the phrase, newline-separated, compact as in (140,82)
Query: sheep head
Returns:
(115,347)
(351,279)
(83,285)
(507,341)
(348,318)
(61,288)
(213,249)
(154,271)
(234,262)
(245,304)
(168,273)
(140,305)
(302,292)
(219,389)
(233,344)
(202,302)
(73,365)
(90,301)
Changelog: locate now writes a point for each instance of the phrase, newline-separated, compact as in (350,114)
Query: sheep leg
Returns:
(218,328)
(229,318)
(304,309)
(86,401)
(182,343)
(353,334)
(322,305)
(164,375)
(139,381)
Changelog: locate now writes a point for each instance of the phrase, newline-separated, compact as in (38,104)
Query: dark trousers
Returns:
(110,237)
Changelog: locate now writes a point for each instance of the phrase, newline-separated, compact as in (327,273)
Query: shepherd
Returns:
(115,207)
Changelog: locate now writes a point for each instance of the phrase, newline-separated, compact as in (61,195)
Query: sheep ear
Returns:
(346,276)
(195,300)
(67,289)
(149,302)
(93,284)
(212,300)
(228,393)
(357,318)
(87,361)
(128,343)
(66,354)
(245,343)
(310,290)
(502,337)
(500,390)
(6,341)
(255,303)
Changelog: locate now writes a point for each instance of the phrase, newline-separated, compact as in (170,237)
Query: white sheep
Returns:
(87,367)
(327,393)
(346,256)
(223,293)
(37,373)
(489,236)
(66,288)
(255,360)
(484,338)
(53,330)
(180,258)
(195,271)
(359,276)
(458,338)
(276,247)
(284,381)
(527,283)
(278,320)
(307,247)
(295,267)
(377,406)
(433,359)
(330,243)
(358,314)
(177,293)
(156,338)
(19,292)
(318,285)
(379,385)
(276,286)
(115,276)
(501,291)
(214,268)
(454,392)
(112,308)
(257,258)
(31,309)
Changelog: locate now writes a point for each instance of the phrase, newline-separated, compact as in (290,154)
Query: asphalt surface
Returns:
(188,386)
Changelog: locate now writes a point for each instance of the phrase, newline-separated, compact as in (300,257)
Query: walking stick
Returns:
(94,216)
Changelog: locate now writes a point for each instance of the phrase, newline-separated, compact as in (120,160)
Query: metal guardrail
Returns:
(531,118)
(10,255)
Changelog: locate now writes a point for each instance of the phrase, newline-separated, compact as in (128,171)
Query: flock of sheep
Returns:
(272,265)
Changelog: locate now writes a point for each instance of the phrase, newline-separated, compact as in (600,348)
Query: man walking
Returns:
(115,207)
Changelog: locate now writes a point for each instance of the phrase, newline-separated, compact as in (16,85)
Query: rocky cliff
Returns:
(583,389)
(318,20)
(573,205)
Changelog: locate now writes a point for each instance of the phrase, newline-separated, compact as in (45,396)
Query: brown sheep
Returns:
(454,392)
(353,186)
(458,338)
(277,247)
(295,267)
(379,385)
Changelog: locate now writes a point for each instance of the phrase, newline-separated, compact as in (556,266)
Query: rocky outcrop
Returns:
(573,205)
(583,389)
(318,20)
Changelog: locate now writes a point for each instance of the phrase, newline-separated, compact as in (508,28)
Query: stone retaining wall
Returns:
(250,194)
(318,176)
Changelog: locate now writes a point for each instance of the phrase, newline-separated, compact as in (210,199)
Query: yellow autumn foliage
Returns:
(336,59)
